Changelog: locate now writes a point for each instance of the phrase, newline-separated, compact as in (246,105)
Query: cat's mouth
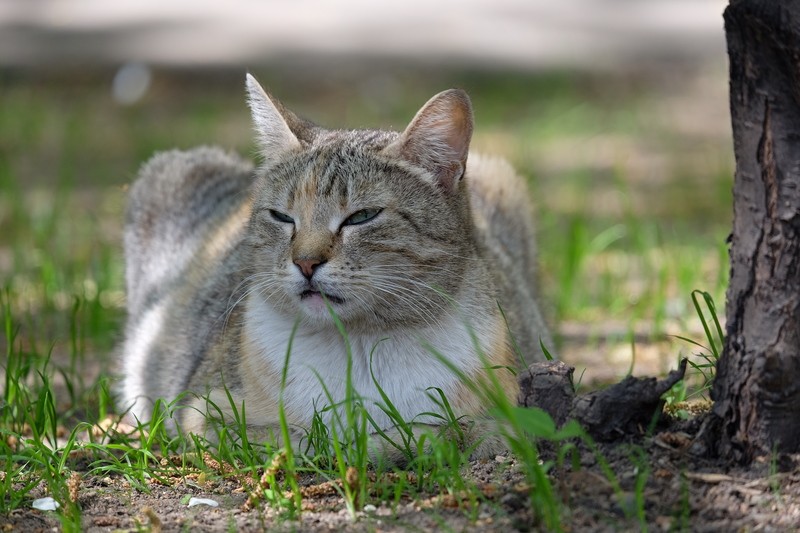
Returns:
(317,294)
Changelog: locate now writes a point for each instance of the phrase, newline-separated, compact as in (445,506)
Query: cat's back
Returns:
(504,221)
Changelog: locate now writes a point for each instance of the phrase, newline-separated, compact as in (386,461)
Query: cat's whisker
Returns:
(411,300)
(427,317)
(246,281)
(432,250)
(411,281)
(424,269)
(264,281)
(229,310)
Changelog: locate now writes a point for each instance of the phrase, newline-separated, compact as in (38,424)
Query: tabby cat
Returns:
(407,240)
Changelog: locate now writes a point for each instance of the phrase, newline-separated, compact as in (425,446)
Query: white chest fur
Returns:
(403,363)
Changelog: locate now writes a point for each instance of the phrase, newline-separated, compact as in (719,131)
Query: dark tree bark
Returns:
(757,387)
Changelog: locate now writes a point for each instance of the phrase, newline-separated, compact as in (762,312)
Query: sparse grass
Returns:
(619,242)
(704,362)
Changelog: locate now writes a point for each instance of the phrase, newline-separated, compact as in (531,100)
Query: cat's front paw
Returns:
(396,447)
(488,447)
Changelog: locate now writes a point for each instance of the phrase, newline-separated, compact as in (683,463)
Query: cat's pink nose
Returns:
(307,266)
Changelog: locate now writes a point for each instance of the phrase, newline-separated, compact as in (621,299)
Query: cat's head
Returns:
(377,221)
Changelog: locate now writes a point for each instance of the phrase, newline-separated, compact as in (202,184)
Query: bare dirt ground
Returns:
(682,492)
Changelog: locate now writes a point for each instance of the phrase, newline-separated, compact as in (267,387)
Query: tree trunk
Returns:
(757,387)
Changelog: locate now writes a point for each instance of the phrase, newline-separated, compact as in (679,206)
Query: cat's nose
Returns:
(308,266)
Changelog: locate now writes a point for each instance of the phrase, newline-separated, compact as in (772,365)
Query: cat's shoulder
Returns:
(495,181)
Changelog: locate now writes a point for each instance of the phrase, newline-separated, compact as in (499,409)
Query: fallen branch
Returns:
(606,414)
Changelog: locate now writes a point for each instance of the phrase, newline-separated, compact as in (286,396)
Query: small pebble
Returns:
(45,504)
(369,508)
(202,501)
(512,501)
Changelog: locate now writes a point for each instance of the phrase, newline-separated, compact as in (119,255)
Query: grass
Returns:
(621,241)
(703,362)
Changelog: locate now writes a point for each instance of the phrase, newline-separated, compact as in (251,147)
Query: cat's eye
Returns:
(281,217)
(359,217)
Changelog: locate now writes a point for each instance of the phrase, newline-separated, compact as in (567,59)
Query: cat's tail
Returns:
(177,198)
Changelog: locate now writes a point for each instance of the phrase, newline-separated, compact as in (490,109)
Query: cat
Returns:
(417,248)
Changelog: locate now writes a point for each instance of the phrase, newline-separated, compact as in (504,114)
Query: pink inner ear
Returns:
(449,176)
(460,128)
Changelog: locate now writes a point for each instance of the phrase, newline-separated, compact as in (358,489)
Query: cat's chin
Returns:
(315,296)
(319,308)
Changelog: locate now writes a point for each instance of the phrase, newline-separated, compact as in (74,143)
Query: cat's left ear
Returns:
(438,138)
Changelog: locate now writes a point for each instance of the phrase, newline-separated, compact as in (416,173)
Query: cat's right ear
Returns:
(275,136)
